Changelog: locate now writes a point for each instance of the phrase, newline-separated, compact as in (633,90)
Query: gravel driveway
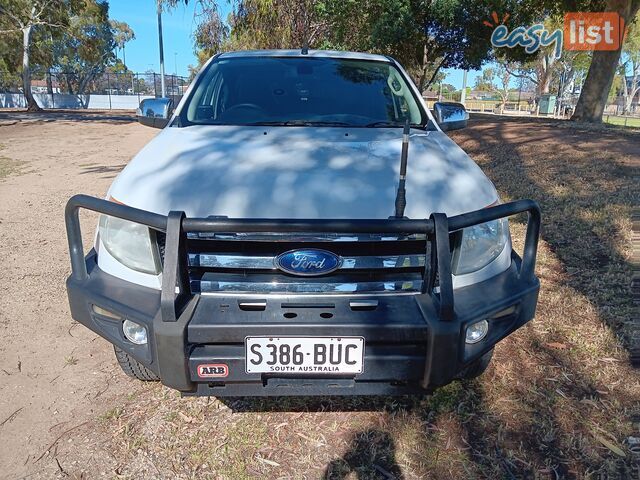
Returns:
(53,376)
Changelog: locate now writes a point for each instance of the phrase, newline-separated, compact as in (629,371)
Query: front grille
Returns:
(244,263)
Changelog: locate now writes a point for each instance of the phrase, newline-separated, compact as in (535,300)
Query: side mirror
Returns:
(450,115)
(155,112)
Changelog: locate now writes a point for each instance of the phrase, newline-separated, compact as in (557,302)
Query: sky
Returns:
(178,26)
(455,77)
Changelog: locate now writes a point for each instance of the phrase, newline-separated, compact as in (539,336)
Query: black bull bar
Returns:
(176,291)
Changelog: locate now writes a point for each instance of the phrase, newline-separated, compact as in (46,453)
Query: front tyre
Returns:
(477,367)
(133,368)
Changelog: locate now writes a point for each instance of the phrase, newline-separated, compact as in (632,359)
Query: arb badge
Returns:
(213,370)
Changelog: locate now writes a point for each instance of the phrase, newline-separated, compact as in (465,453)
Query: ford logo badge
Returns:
(308,262)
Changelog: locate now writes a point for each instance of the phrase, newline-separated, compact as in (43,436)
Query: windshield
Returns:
(302,91)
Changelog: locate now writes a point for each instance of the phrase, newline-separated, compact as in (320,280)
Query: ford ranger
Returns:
(302,225)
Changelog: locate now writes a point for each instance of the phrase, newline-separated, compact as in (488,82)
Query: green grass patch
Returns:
(624,121)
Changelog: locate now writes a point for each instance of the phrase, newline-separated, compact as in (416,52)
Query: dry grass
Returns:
(559,401)
(8,165)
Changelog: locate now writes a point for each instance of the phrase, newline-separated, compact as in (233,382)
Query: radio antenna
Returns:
(305,31)
(401,200)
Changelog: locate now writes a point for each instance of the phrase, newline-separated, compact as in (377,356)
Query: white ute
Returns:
(290,166)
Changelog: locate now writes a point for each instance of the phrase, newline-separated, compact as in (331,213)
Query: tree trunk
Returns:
(435,74)
(423,73)
(545,86)
(49,83)
(625,90)
(626,100)
(629,95)
(48,72)
(83,81)
(545,73)
(68,81)
(597,85)
(32,105)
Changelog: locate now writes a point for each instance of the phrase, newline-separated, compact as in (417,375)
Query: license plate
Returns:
(304,355)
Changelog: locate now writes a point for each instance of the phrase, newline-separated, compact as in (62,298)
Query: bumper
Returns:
(408,349)
(413,343)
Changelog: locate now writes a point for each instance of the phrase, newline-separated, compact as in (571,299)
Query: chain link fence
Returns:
(109,90)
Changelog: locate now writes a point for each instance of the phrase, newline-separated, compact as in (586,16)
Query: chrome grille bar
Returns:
(306,237)
(318,286)
(244,263)
(224,261)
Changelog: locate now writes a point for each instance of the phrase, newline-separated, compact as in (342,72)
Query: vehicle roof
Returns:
(311,53)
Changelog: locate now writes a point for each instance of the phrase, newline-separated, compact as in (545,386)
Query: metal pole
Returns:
(161,49)
(53,98)
(109,90)
(558,108)
(463,93)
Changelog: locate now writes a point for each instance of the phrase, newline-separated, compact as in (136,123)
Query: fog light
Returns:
(477,331)
(105,313)
(134,332)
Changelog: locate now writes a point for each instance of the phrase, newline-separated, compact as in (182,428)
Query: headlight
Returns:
(130,243)
(481,245)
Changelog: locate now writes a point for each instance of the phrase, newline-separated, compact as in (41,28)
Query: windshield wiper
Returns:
(385,124)
(301,123)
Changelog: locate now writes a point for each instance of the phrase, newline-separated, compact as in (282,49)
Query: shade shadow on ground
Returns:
(557,402)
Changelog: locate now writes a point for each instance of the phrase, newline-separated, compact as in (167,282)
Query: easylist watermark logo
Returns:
(593,31)
(582,31)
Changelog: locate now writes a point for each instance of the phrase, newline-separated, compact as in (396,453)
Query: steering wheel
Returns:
(240,111)
(246,106)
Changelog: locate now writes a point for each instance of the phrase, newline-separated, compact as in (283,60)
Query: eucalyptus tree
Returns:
(597,84)
(85,47)
(24,18)
(630,66)
(425,36)
(122,34)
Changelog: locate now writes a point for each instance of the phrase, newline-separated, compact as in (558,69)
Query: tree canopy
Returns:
(74,36)
(424,36)
(29,21)
(86,47)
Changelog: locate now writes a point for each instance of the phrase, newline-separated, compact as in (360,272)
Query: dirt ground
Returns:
(53,375)
(559,401)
